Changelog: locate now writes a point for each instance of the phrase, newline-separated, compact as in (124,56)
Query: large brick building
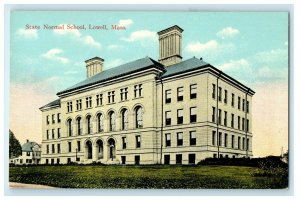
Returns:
(147,112)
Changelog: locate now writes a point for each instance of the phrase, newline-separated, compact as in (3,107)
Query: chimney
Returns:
(170,45)
(94,66)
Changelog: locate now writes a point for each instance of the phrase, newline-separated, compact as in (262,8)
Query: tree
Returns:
(15,148)
(286,156)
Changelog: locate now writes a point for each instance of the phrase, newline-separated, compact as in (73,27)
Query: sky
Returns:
(252,47)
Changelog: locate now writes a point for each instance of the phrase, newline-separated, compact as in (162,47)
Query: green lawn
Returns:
(157,176)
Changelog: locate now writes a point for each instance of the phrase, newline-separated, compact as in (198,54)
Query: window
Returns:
(213,117)
(232,100)
(247,144)
(192,137)
(89,124)
(52,134)
(232,120)
(123,158)
(99,99)
(70,127)
(137,160)
(178,159)
(180,116)
(168,140)
(192,159)
(243,144)
(214,138)
(138,91)
(78,146)
(225,118)
(124,114)
(247,107)
(69,106)
(79,104)
(100,122)
(220,116)
(58,132)
(232,141)
(139,117)
(225,140)
(47,149)
(47,135)
(111,97)
(58,148)
(220,94)
(225,96)
(53,119)
(138,141)
(243,106)
(239,122)
(53,148)
(247,125)
(69,146)
(88,102)
(48,122)
(180,94)
(124,94)
(179,139)
(239,103)
(69,160)
(168,118)
(58,161)
(239,142)
(168,96)
(124,142)
(243,124)
(214,91)
(112,121)
(220,139)
(193,91)
(28,153)
(58,118)
(193,115)
(79,126)
(167,159)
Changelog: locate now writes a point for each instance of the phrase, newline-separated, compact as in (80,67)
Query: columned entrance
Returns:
(111,149)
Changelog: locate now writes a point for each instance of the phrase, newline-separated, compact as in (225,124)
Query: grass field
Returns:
(157,176)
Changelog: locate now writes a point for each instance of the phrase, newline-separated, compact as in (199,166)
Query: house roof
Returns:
(51,104)
(134,66)
(28,146)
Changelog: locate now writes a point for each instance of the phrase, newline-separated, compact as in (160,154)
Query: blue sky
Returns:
(250,46)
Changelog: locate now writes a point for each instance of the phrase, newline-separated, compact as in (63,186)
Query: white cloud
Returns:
(53,54)
(267,72)
(141,35)
(113,63)
(241,64)
(72,32)
(75,33)
(125,22)
(115,47)
(286,43)
(228,32)
(89,40)
(198,47)
(27,33)
(273,55)
(71,72)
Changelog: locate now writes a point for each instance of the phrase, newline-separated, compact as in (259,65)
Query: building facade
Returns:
(149,112)
(31,154)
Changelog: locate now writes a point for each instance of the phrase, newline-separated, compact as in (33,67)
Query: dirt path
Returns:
(23,185)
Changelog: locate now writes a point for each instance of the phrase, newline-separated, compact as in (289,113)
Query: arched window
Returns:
(79,126)
(112,121)
(139,117)
(70,127)
(124,119)
(100,122)
(89,124)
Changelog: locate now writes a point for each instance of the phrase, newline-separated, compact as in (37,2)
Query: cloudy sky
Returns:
(251,47)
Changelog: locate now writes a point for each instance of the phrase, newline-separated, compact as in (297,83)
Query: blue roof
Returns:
(184,66)
(28,146)
(121,70)
(52,103)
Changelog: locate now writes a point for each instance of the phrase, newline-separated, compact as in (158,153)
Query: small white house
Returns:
(31,154)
